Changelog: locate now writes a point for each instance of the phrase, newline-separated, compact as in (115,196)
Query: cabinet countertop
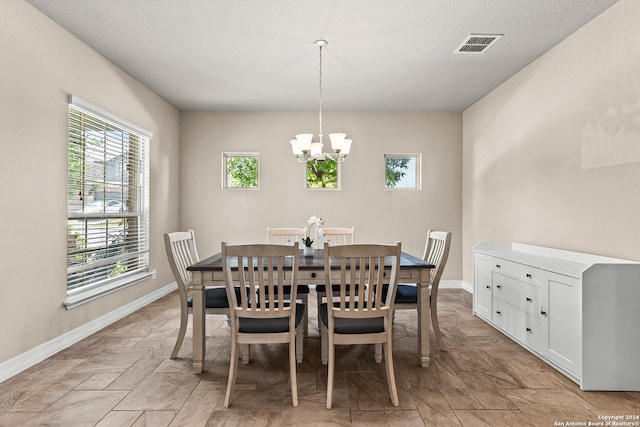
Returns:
(568,263)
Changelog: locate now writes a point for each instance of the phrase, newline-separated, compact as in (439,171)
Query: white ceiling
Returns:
(383,55)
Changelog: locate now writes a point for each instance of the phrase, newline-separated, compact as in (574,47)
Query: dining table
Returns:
(208,273)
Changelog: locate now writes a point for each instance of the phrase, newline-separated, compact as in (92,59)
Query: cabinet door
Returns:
(482,292)
(562,311)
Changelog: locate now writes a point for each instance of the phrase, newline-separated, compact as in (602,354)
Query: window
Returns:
(108,203)
(322,174)
(402,171)
(240,170)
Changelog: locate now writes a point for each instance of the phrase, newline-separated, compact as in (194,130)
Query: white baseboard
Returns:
(456,284)
(36,355)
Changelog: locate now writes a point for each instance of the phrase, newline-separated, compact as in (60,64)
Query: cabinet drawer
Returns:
(525,296)
(526,328)
(520,272)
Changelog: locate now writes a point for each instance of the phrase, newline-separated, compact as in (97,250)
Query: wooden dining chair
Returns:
(339,235)
(334,236)
(436,252)
(359,317)
(182,252)
(284,236)
(261,314)
(289,236)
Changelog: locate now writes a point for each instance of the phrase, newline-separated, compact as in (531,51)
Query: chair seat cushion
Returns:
(351,326)
(279,324)
(406,294)
(302,289)
(334,288)
(215,298)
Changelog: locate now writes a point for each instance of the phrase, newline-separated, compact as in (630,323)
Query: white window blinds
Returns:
(108,203)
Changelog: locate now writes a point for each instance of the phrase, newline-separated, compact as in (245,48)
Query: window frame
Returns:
(131,250)
(225,174)
(418,170)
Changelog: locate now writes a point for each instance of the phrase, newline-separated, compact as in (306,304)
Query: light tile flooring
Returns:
(122,376)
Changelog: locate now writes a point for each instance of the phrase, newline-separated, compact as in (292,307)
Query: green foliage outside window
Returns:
(242,172)
(322,174)
(395,170)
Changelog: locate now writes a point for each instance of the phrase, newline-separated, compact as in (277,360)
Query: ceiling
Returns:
(257,55)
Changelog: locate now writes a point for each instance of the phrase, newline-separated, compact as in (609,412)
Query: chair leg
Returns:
(324,344)
(305,320)
(319,297)
(434,320)
(299,344)
(184,318)
(391,377)
(293,367)
(331,370)
(244,353)
(378,352)
(233,369)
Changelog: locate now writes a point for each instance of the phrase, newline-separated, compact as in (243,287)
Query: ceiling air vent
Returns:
(477,43)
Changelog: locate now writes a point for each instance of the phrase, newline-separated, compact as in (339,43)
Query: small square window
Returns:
(402,171)
(241,170)
(322,175)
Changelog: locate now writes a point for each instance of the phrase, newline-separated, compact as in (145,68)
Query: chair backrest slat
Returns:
(280,283)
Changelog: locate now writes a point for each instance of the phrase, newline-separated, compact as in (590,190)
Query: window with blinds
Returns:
(108,203)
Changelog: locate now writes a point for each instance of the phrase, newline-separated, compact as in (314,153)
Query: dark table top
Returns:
(214,262)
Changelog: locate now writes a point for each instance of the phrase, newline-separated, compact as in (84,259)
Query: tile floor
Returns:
(122,376)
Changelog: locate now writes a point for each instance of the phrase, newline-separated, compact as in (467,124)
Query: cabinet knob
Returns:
(544,313)
(528,275)
(499,286)
(313,275)
(499,312)
(528,299)
(488,287)
(528,329)
(498,266)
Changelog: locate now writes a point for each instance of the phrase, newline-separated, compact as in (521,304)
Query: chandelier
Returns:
(306,150)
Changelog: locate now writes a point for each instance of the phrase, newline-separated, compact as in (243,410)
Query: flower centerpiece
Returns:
(312,229)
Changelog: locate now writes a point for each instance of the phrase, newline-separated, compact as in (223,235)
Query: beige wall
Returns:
(552,156)
(241,216)
(39,65)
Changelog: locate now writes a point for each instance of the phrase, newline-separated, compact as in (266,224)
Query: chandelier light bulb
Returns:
(346,147)
(337,141)
(316,149)
(304,141)
(295,146)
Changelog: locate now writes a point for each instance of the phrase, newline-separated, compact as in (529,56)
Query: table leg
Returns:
(424,317)
(198,322)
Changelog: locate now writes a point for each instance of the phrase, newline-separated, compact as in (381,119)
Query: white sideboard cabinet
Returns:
(578,312)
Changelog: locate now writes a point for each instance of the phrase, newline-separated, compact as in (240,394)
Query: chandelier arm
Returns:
(336,157)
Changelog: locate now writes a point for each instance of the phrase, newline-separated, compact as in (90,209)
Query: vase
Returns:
(307,251)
